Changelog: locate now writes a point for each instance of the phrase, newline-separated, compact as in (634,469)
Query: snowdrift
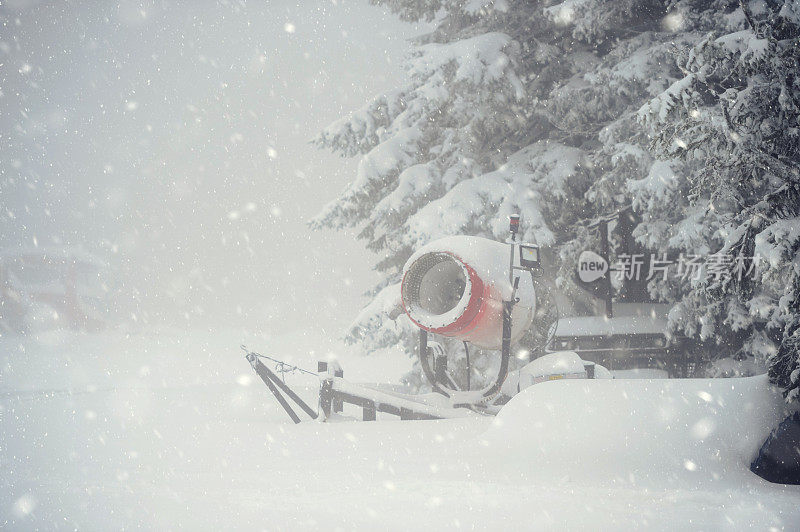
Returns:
(641,432)
(170,430)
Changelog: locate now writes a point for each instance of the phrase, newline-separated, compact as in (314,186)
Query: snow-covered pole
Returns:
(513,227)
(604,250)
(508,308)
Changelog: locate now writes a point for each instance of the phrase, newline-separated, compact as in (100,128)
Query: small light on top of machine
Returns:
(529,255)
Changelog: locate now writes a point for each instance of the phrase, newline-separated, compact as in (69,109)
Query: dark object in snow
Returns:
(779,458)
(275,384)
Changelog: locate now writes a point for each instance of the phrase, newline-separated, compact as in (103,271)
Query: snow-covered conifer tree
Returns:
(547,109)
(728,133)
(525,107)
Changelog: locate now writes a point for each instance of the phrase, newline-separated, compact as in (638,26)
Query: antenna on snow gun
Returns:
(459,287)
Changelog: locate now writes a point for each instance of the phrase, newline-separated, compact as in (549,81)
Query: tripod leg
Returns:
(288,391)
(264,372)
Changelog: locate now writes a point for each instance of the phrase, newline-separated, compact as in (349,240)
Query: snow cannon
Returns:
(473,289)
(456,287)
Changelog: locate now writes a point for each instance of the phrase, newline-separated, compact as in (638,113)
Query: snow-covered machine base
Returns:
(408,407)
(335,391)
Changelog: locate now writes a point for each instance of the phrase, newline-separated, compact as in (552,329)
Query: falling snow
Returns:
(164,199)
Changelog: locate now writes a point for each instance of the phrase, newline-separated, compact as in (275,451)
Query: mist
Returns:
(171,139)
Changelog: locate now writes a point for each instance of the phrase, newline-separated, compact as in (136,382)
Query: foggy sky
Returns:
(172,138)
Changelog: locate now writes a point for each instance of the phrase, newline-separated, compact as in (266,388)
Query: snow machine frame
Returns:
(335,391)
(438,377)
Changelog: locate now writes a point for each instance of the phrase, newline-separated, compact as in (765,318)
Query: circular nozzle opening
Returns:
(434,285)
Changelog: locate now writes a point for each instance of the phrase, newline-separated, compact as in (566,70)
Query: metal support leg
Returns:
(425,363)
(326,397)
(440,369)
(333,367)
(288,391)
(338,405)
(264,372)
(370,412)
(508,306)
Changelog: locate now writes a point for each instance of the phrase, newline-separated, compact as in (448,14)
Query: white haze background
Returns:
(172,138)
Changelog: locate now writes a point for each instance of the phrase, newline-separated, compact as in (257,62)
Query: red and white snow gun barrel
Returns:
(456,287)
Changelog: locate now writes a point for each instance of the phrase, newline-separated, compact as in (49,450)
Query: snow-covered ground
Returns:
(173,430)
